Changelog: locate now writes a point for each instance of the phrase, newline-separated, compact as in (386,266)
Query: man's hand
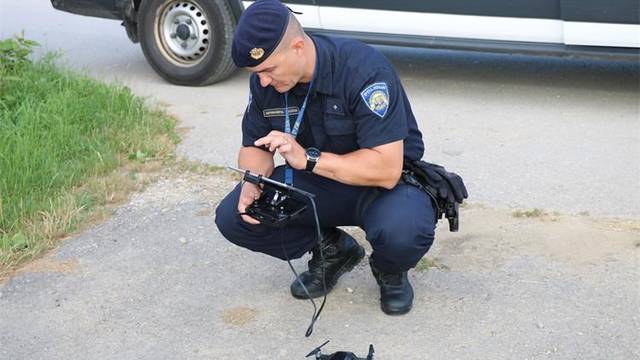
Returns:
(248,194)
(287,147)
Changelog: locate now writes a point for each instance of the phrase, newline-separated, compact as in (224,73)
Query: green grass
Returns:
(59,133)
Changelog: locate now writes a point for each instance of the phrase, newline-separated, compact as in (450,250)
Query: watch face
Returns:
(313,153)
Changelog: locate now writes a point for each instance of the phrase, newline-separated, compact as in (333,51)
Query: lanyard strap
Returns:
(288,172)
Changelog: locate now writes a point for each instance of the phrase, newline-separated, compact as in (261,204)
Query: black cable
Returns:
(316,311)
(258,179)
(324,285)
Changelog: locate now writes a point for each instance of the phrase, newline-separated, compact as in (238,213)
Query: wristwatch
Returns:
(313,155)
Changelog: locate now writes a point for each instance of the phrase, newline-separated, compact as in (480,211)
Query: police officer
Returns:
(335,110)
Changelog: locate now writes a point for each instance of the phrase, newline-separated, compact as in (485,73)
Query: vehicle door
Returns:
(569,22)
(309,8)
(613,23)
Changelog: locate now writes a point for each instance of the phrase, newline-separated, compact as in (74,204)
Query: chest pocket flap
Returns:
(337,121)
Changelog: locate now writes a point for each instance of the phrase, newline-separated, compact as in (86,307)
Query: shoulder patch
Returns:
(376,96)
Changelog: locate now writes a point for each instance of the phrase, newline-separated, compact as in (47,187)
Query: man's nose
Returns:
(264,80)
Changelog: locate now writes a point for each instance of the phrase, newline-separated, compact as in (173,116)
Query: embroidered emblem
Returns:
(376,96)
(293,110)
(256,53)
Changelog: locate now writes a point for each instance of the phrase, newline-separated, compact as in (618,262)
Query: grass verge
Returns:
(69,147)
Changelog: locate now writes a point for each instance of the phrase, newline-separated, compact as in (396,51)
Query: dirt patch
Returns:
(239,316)
(48,264)
(490,238)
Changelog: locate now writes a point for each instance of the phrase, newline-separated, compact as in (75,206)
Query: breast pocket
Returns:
(340,127)
(276,122)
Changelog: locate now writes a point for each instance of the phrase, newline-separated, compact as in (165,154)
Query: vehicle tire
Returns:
(187,42)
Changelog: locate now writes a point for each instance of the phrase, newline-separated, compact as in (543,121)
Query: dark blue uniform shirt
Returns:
(356,102)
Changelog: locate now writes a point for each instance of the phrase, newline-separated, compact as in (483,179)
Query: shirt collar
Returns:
(323,82)
(324,64)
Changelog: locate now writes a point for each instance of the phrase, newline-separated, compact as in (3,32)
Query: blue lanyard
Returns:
(288,172)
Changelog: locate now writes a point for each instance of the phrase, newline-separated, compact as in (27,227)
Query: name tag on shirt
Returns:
(276,112)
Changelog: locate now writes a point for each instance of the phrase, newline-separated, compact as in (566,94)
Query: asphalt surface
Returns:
(157,281)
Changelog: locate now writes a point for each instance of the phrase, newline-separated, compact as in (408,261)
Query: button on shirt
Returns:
(356,102)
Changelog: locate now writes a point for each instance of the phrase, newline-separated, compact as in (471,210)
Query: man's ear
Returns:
(297,45)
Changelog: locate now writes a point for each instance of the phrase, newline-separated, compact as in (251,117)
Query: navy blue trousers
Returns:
(399,223)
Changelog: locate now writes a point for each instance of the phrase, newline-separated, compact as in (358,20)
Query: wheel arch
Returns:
(129,11)
(236,6)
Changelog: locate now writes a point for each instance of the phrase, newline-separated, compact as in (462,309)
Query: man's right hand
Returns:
(248,194)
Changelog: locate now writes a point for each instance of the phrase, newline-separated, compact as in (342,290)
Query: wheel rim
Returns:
(183,31)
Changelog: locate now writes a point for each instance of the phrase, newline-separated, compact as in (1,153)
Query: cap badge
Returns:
(256,53)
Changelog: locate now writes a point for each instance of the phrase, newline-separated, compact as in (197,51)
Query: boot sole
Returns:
(348,266)
(396,312)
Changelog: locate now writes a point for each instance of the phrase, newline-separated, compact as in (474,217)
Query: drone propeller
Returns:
(370,355)
(317,350)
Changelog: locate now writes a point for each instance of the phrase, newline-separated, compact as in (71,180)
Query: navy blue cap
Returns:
(259,32)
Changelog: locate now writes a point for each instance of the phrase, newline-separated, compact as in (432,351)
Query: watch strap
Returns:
(310,164)
(311,160)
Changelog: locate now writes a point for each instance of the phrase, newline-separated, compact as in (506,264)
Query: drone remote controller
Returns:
(278,203)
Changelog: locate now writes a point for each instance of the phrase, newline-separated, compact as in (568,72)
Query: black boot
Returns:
(396,293)
(341,253)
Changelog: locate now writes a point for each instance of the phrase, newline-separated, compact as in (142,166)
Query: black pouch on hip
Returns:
(445,188)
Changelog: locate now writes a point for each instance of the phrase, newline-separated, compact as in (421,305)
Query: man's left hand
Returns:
(287,147)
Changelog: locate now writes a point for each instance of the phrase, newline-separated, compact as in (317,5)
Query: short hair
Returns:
(294,29)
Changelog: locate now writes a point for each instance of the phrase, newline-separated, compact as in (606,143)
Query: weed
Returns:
(14,53)
(535,213)
(425,263)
